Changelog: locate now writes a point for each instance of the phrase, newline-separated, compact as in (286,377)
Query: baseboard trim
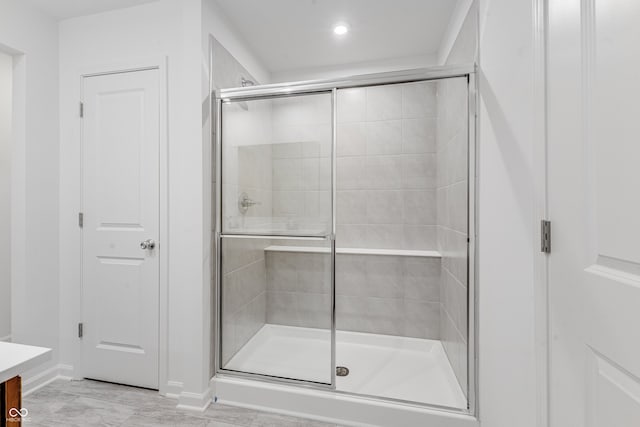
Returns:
(5,339)
(189,401)
(197,402)
(173,389)
(41,379)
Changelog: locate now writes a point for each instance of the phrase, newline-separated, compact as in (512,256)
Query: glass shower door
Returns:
(275,237)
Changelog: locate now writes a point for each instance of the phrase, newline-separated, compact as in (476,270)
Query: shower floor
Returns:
(380,365)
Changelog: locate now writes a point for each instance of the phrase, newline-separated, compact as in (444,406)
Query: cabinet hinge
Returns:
(80,219)
(80,330)
(82,109)
(545,232)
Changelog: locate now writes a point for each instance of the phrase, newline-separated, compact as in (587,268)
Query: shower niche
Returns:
(345,236)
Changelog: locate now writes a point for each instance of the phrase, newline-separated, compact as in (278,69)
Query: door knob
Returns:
(148,244)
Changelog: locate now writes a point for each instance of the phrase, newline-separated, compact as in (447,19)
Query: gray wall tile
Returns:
(419,136)
(419,100)
(452,215)
(421,319)
(384,137)
(385,207)
(370,314)
(352,105)
(352,139)
(384,102)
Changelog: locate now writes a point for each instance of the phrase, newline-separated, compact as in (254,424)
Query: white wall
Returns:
(32,38)
(171,29)
(508,223)
(342,71)
(216,24)
(456,30)
(6,82)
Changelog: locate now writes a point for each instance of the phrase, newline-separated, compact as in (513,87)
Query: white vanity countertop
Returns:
(15,359)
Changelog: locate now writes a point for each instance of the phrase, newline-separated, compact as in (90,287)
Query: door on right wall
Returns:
(594,206)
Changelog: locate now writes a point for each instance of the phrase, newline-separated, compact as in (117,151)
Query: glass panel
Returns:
(276,308)
(276,166)
(401,257)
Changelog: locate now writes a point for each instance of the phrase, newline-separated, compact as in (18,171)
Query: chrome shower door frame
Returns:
(220,99)
(332,86)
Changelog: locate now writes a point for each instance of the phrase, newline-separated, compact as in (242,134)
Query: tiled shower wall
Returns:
(453,206)
(298,289)
(298,284)
(301,181)
(387,167)
(301,159)
(386,199)
(246,160)
(452,220)
(382,294)
(390,295)
(390,151)
(301,184)
(244,292)
(244,271)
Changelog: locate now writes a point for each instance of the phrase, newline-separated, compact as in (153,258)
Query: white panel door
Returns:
(120,286)
(594,205)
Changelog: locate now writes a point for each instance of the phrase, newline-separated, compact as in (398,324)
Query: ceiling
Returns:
(296,34)
(62,9)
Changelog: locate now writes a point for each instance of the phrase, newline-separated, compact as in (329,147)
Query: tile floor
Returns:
(91,403)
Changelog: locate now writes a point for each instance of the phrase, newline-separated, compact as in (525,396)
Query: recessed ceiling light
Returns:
(340,29)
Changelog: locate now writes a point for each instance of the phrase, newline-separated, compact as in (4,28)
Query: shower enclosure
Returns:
(345,235)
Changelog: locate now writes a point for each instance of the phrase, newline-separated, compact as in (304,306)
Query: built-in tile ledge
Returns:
(355,251)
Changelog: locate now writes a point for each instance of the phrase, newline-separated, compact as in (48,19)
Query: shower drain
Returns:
(342,371)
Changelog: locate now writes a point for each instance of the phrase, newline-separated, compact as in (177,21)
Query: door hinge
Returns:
(80,330)
(80,219)
(545,231)
(82,109)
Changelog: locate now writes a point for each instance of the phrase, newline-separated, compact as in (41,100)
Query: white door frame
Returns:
(159,63)
(541,210)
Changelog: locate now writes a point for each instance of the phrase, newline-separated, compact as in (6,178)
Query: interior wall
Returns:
(166,30)
(178,31)
(508,223)
(459,33)
(215,24)
(32,38)
(6,83)
(355,69)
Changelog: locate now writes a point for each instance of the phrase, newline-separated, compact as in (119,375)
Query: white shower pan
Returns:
(393,367)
